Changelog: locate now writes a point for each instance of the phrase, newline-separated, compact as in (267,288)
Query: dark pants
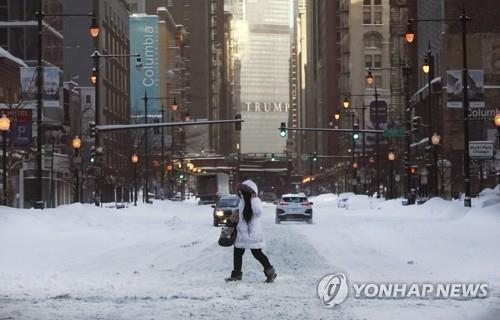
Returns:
(257,253)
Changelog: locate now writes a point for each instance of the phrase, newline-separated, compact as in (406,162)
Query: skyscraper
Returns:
(264,37)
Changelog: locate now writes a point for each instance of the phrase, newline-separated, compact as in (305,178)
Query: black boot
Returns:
(270,274)
(235,276)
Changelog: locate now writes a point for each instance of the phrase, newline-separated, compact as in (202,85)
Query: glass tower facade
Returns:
(264,39)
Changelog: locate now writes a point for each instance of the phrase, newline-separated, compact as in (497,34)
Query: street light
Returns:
(94,32)
(135,160)
(391,157)
(369,78)
(435,139)
(410,37)
(4,127)
(426,67)
(96,57)
(336,116)
(77,144)
(346,103)
(371,81)
(174,105)
(94,29)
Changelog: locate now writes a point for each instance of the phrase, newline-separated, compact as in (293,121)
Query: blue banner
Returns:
(144,40)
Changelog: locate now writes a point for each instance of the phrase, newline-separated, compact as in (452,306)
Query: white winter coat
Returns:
(250,236)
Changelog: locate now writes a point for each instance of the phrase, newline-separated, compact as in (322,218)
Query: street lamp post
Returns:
(94,33)
(95,79)
(371,80)
(435,139)
(497,124)
(410,37)
(428,69)
(135,160)
(4,127)
(77,144)
(391,157)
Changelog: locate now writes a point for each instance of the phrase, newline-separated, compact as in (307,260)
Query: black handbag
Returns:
(228,234)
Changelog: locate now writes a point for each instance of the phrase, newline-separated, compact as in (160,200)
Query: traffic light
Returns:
(283,130)
(415,124)
(413,169)
(273,158)
(237,125)
(355,128)
(92,155)
(315,156)
(92,129)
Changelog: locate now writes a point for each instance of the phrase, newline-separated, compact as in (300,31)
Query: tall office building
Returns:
(264,37)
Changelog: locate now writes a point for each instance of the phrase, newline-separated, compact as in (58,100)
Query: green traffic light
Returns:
(92,160)
(355,136)
(283,133)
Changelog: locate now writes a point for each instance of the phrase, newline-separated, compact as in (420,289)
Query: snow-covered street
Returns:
(162,261)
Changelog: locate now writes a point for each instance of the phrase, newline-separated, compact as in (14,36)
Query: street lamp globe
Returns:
(187,117)
(426,68)
(355,165)
(346,103)
(94,29)
(369,78)
(4,123)
(135,158)
(371,160)
(391,156)
(77,143)
(336,116)
(409,35)
(497,120)
(436,138)
(174,105)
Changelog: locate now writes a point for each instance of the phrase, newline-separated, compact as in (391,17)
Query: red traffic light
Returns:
(413,170)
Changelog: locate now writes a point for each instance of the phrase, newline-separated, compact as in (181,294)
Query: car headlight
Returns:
(219,213)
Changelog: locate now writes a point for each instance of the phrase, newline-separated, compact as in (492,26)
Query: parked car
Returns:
(343,199)
(294,207)
(224,207)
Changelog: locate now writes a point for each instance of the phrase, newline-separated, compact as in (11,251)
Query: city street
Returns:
(162,261)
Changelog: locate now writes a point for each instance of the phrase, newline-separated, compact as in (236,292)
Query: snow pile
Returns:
(162,261)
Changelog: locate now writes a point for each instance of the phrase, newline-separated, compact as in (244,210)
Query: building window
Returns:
(373,61)
(88,98)
(372,12)
(372,40)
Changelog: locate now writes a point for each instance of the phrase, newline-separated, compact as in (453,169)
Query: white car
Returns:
(294,207)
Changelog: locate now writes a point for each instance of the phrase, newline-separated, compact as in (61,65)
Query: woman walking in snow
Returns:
(249,232)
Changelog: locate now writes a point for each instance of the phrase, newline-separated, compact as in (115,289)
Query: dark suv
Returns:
(224,207)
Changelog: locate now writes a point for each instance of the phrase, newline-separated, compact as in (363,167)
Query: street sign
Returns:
(394,133)
(481,149)
(21,126)
(378,111)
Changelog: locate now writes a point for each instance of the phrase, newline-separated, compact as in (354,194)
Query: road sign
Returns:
(394,133)
(21,126)
(378,111)
(481,149)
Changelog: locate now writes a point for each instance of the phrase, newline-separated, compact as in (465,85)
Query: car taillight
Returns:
(306,204)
